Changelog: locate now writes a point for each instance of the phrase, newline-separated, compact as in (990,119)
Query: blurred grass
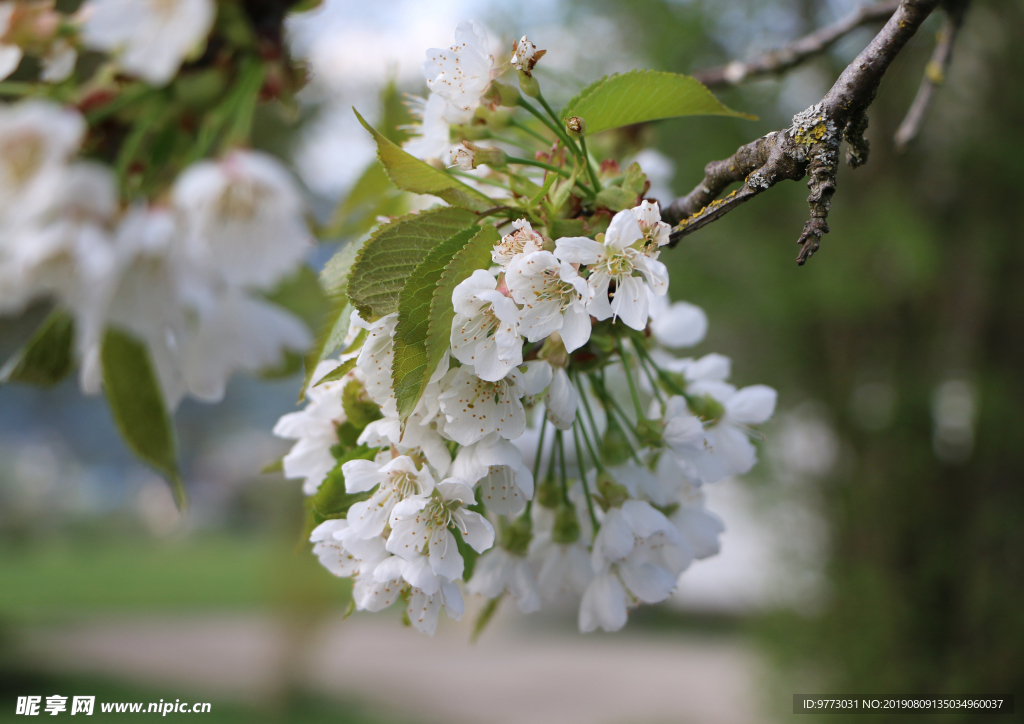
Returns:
(298,709)
(203,572)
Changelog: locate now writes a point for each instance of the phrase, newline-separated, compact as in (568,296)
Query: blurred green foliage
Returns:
(919,281)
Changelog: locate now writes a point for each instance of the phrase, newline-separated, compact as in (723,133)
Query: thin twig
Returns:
(934,76)
(810,146)
(794,53)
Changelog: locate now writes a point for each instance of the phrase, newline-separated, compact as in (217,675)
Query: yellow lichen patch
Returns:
(813,134)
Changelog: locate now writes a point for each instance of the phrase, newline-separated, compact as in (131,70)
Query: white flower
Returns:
(497,465)
(460,74)
(728,450)
(10,54)
(463,157)
(344,554)
(680,324)
(417,439)
(37,139)
(523,240)
(236,332)
(564,566)
(554,298)
(375,359)
(315,429)
(655,231)
(525,55)
(475,408)
(560,398)
(64,246)
(682,431)
(485,328)
(151,38)
(699,527)
(499,570)
(431,137)
(423,609)
(59,61)
(637,556)
(421,526)
(616,260)
(242,219)
(395,481)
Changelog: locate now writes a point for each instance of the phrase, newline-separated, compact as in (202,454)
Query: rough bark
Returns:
(810,146)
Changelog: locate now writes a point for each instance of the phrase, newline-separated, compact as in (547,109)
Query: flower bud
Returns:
(470,156)
(525,56)
(501,94)
(567,525)
(575,126)
(612,493)
(549,492)
(615,448)
(528,84)
(516,536)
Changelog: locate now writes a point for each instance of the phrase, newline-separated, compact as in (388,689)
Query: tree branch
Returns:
(934,75)
(791,54)
(810,146)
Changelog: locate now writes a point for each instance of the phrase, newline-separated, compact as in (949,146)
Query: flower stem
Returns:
(590,168)
(481,179)
(540,448)
(611,406)
(645,363)
(576,428)
(629,378)
(539,164)
(525,128)
(573,148)
(561,462)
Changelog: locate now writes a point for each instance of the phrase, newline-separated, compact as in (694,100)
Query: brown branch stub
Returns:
(794,53)
(810,146)
(934,73)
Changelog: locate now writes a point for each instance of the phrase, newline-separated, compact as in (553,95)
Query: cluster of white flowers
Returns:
(457,78)
(614,531)
(149,39)
(187,275)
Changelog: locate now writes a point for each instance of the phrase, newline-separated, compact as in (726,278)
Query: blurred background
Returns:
(877,549)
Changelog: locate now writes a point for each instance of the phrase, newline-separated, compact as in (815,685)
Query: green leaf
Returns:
(302,295)
(409,371)
(643,95)
(616,198)
(392,253)
(48,356)
(371,196)
(137,403)
(334,327)
(331,500)
(359,411)
(559,228)
(474,255)
(411,174)
(338,372)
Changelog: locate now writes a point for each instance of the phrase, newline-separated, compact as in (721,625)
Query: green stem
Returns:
(629,378)
(525,128)
(625,423)
(590,167)
(552,126)
(13,88)
(576,428)
(561,458)
(666,380)
(540,448)
(644,365)
(539,164)
(481,179)
(504,139)
(560,171)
